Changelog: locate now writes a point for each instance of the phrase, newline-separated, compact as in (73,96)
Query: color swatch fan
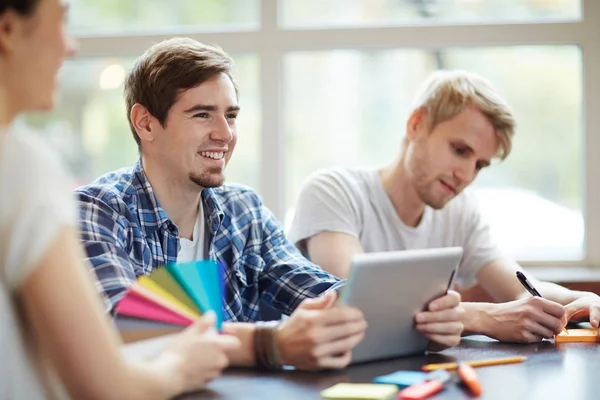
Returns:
(175,295)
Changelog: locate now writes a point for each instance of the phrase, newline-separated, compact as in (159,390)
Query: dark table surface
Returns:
(565,371)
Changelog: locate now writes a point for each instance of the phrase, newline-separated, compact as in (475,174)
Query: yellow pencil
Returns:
(478,363)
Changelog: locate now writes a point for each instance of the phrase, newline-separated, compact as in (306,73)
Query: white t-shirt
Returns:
(35,203)
(353,201)
(197,248)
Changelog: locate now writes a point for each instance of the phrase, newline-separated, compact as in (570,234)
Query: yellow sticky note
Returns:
(360,391)
(578,335)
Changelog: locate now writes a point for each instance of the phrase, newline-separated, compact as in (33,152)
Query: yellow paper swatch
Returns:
(168,291)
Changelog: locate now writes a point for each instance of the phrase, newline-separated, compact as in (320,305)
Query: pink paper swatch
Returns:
(135,306)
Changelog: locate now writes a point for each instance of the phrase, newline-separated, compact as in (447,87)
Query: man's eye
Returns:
(459,150)
(201,115)
(231,116)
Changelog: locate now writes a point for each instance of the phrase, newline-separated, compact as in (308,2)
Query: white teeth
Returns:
(213,155)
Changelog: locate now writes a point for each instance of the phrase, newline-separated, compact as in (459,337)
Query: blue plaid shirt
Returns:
(126,233)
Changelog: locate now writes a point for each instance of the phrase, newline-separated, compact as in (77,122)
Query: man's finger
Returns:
(595,316)
(426,317)
(574,309)
(550,307)
(540,330)
(342,346)
(321,302)
(450,300)
(336,362)
(529,337)
(547,321)
(338,332)
(443,340)
(445,328)
(340,315)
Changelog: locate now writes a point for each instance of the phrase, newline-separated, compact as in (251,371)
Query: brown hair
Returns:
(446,94)
(168,68)
(23,7)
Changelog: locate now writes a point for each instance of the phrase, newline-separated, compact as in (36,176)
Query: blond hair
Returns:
(446,94)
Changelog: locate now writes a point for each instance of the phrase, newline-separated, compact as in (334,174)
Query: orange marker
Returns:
(434,383)
(467,375)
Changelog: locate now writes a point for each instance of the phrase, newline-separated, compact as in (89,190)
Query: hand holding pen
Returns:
(531,289)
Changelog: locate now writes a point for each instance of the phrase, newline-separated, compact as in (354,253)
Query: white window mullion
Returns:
(591,115)
(272,165)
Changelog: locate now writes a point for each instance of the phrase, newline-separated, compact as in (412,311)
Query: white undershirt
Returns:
(195,249)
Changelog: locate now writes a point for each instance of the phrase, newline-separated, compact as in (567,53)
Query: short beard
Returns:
(206,179)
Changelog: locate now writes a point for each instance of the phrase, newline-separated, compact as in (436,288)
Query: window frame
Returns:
(271,42)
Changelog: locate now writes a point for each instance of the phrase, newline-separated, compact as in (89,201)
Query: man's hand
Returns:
(441,323)
(318,335)
(528,320)
(587,306)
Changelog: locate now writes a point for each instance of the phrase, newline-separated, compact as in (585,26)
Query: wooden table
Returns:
(567,371)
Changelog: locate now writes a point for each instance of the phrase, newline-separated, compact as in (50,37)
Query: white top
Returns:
(353,201)
(195,249)
(35,204)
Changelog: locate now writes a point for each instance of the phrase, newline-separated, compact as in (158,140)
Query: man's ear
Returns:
(9,27)
(416,120)
(141,119)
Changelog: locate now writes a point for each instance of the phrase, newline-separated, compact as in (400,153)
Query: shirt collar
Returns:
(153,214)
(213,209)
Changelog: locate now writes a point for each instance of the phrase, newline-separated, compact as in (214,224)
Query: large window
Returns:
(330,82)
(352,111)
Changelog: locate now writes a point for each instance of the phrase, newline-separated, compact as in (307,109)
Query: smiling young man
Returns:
(173,206)
(459,124)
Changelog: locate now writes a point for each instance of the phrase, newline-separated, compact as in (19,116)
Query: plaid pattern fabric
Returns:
(126,233)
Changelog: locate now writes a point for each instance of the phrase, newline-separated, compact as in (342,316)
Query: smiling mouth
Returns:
(213,155)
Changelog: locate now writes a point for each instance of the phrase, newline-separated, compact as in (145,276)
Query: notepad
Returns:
(402,379)
(360,391)
(578,335)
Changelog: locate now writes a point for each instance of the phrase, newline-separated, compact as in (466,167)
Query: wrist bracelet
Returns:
(265,346)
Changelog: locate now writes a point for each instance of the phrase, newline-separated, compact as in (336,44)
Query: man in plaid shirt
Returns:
(172,206)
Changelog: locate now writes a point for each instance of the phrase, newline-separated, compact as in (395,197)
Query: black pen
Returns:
(530,288)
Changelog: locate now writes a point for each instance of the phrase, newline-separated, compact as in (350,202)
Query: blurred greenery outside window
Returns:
(89,125)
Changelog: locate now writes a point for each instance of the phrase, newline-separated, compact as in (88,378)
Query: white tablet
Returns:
(390,288)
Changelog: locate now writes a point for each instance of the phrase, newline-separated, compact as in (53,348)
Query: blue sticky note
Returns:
(210,275)
(402,379)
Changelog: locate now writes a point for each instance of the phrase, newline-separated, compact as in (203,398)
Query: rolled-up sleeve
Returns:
(288,278)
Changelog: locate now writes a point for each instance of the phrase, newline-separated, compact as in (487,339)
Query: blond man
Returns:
(458,125)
